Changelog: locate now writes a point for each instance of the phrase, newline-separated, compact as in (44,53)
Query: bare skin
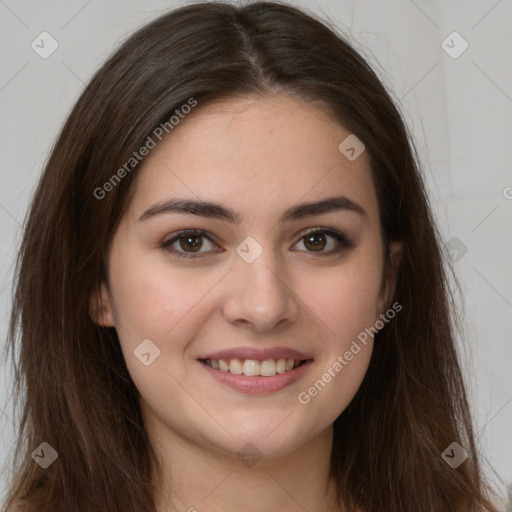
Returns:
(258,157)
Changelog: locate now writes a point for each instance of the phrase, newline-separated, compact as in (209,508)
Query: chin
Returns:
(258,440)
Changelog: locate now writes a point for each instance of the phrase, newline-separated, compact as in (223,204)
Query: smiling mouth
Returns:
(254,367)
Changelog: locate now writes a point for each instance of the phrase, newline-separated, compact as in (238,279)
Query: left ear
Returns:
(100,307)
(389,283)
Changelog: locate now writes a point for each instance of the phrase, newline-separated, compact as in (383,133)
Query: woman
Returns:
(230,293)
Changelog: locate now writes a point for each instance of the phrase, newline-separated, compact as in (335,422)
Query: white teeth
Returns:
(268,368)
(281,365)
(236,366)
(253,367)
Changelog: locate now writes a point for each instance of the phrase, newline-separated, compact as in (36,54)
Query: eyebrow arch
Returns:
(217,211)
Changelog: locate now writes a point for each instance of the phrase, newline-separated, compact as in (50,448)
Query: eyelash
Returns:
(342,239)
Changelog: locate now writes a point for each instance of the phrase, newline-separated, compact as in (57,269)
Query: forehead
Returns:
(257,154)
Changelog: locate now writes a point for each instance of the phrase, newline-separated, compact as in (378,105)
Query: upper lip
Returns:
(259,354)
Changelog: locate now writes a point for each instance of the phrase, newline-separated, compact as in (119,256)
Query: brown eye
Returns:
(319,239)
(315,241)
(188,244)
(192,242)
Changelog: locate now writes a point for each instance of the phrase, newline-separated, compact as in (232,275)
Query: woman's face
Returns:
(253,292)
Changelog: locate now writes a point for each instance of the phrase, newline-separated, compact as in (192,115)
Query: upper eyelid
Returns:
(185,232)
(200,232)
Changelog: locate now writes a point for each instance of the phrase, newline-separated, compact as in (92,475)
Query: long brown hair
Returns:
(78,394)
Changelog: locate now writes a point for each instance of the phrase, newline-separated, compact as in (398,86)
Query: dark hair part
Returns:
(79,396)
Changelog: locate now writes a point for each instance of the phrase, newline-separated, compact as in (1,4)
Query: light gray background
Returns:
(459,111)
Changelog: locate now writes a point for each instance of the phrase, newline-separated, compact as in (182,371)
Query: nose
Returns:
(259,296)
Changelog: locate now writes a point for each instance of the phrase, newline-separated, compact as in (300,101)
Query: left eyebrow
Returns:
(217,211)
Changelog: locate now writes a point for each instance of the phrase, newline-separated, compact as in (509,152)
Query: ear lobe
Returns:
(100,307)
(389,285)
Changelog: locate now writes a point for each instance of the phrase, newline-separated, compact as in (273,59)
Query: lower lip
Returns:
(258,385)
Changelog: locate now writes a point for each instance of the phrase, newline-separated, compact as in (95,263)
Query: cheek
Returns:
(166,305)
(163,306)
(346,299)
(152,297)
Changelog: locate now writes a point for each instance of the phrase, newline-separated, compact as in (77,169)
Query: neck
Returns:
(194,478)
